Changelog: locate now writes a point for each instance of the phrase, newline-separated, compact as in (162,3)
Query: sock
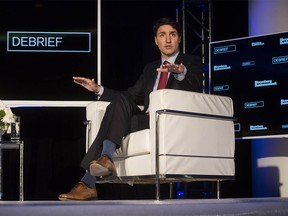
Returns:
(108,148)
(89,180)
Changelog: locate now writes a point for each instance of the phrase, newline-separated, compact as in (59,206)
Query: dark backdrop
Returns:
(55,137)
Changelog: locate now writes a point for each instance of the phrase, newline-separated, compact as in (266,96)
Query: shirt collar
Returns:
(171,59)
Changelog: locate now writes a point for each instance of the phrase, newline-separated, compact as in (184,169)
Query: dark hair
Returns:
(166,21)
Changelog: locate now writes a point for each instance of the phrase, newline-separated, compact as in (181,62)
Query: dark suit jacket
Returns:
(144,86)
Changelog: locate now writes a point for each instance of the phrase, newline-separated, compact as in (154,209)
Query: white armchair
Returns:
(191,138)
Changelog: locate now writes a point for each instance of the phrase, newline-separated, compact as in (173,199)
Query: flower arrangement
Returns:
(6,118)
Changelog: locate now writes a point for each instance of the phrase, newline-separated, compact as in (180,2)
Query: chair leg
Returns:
(157,189)
(218,189)
(171,190)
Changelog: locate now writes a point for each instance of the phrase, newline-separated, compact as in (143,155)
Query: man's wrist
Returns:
(100,90)
(97,89)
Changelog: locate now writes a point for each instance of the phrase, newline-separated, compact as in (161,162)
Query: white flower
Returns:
(2,105)
(9,117)
(6,117)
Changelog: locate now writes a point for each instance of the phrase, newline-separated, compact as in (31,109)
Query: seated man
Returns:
(174,70)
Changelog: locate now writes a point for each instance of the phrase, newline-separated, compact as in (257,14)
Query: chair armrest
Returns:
(94,114)
(187,101)
(191,102)
(192,132)
(95,111)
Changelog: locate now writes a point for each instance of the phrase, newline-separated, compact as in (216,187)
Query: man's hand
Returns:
(89,84)
(175,68)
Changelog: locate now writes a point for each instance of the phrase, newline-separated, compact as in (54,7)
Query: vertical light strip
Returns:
(99,42)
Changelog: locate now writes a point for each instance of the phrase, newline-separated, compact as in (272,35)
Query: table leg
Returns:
(21,177)
(1,174)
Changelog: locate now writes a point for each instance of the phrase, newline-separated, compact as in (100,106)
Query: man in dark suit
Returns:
(123,114)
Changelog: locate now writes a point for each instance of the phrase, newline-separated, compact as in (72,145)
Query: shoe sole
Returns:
(67,199)
(99,170)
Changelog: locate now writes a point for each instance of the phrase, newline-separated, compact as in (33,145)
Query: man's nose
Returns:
(168,39)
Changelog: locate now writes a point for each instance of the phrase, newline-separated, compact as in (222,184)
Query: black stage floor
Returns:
(245,206)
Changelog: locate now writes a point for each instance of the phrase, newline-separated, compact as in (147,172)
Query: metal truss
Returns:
(195,18)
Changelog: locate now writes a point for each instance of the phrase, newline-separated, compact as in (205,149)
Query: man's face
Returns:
(167,40)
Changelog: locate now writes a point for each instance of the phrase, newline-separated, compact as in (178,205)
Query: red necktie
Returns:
(163,77)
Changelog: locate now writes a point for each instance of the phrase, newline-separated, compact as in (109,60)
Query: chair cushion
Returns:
(134,144)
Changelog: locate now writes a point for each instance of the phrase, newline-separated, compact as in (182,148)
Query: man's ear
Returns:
(155,40)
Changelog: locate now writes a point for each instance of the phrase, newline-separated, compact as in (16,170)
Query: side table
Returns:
(13,145)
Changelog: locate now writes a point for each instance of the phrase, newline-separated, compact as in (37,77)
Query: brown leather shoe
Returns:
(102,167)
(79,192)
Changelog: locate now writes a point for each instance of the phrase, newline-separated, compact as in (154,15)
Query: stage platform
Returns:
(179,207)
